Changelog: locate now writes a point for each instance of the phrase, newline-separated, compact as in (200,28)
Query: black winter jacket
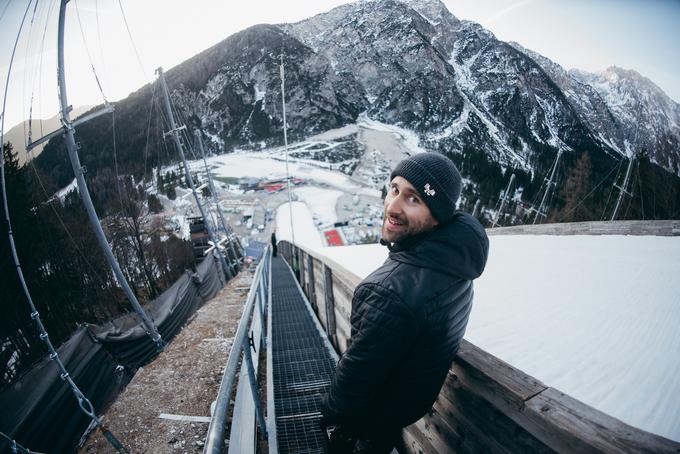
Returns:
(408,319)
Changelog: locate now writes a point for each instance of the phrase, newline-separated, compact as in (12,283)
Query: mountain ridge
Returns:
(487,104)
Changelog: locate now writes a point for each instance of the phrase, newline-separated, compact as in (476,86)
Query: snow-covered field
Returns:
(321,201)
(260,165)
(596,317)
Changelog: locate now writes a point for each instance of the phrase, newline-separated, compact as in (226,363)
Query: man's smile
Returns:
(394,223)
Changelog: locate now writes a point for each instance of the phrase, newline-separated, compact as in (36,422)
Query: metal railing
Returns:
(257,295)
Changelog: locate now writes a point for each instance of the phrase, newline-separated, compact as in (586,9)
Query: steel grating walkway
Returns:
(302,366)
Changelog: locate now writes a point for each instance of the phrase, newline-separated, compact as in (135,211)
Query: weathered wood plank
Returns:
(569,425)
(301,265)
(322,298)
(655,228)
(415,441)
(433,427)
(471,415)
(330,305)
(311,296)
(411,445)
(343,300)
(495,380)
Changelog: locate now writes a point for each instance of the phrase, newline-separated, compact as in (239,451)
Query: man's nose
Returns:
(393,205)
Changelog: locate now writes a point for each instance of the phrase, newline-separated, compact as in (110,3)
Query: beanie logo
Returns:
(429,191)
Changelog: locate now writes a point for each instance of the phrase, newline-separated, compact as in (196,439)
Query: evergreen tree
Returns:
(573,193)
(155,205)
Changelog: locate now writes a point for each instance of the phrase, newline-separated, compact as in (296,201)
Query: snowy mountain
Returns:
(414,64)
(487,104)
(625,110)
(649,119)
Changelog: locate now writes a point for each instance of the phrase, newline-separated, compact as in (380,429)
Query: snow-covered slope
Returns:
(603,330)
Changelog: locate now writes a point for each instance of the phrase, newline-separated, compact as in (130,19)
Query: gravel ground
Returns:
(183,380)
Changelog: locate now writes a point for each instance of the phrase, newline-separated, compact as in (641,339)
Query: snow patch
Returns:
(321,202)
(408,137)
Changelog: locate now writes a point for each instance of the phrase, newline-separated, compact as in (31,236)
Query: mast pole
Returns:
(285,144)
(227,229)
(624,188)
(174,131)
(551,183)
(79,172)
(503,200)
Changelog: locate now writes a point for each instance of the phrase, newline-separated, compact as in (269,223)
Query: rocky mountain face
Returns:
(649,120)
(487,104)
(414,64)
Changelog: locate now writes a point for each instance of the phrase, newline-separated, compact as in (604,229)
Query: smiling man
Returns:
(409,316)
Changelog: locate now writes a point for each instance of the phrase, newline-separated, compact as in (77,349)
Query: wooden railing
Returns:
(656,228)
(485,405)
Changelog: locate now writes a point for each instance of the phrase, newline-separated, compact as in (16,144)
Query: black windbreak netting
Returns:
(39,410)
(126,338)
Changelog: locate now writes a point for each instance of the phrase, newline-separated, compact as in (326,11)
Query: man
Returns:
(275,247)
(409,316)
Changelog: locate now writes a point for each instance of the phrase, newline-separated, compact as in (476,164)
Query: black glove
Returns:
(338,439)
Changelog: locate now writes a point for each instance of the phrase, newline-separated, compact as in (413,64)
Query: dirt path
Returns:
(183,380)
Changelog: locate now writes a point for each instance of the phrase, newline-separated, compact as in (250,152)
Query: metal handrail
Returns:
(216,431)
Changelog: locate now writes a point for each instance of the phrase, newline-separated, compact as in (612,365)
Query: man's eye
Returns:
(414,199)
(394,189)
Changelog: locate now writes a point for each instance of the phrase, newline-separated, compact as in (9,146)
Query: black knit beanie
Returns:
(436,179)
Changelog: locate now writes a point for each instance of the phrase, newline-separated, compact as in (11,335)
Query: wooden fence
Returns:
(656,228)
(485,405)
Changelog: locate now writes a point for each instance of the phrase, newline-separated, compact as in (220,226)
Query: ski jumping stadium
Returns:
(298,309)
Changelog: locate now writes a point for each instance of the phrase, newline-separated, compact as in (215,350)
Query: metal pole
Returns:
(225,226)
(285,144)
(254,389)
(79,171)
(503,200)
(261,300)
(547,190)
(215,437)
(178,144)
(624,189)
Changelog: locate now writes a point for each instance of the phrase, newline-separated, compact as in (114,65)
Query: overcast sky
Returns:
(588,34)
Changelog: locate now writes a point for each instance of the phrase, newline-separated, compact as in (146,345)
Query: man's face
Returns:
(406,214)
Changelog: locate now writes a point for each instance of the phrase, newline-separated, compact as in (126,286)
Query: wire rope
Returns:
(115,160)
(68,232)
(611,190)
(642,203)
(2,14)
(40,65)
(625,190)
(15,446)
(148,130)
(99,39)
(87,51)
(26,83)
(132,41)
(583,199)
(84,404)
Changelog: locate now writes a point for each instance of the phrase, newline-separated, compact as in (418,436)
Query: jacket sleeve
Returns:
(383,330)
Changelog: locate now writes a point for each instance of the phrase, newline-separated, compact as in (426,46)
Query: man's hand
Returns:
(339,441)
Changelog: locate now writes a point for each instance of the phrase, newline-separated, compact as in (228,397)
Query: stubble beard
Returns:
(410,229)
